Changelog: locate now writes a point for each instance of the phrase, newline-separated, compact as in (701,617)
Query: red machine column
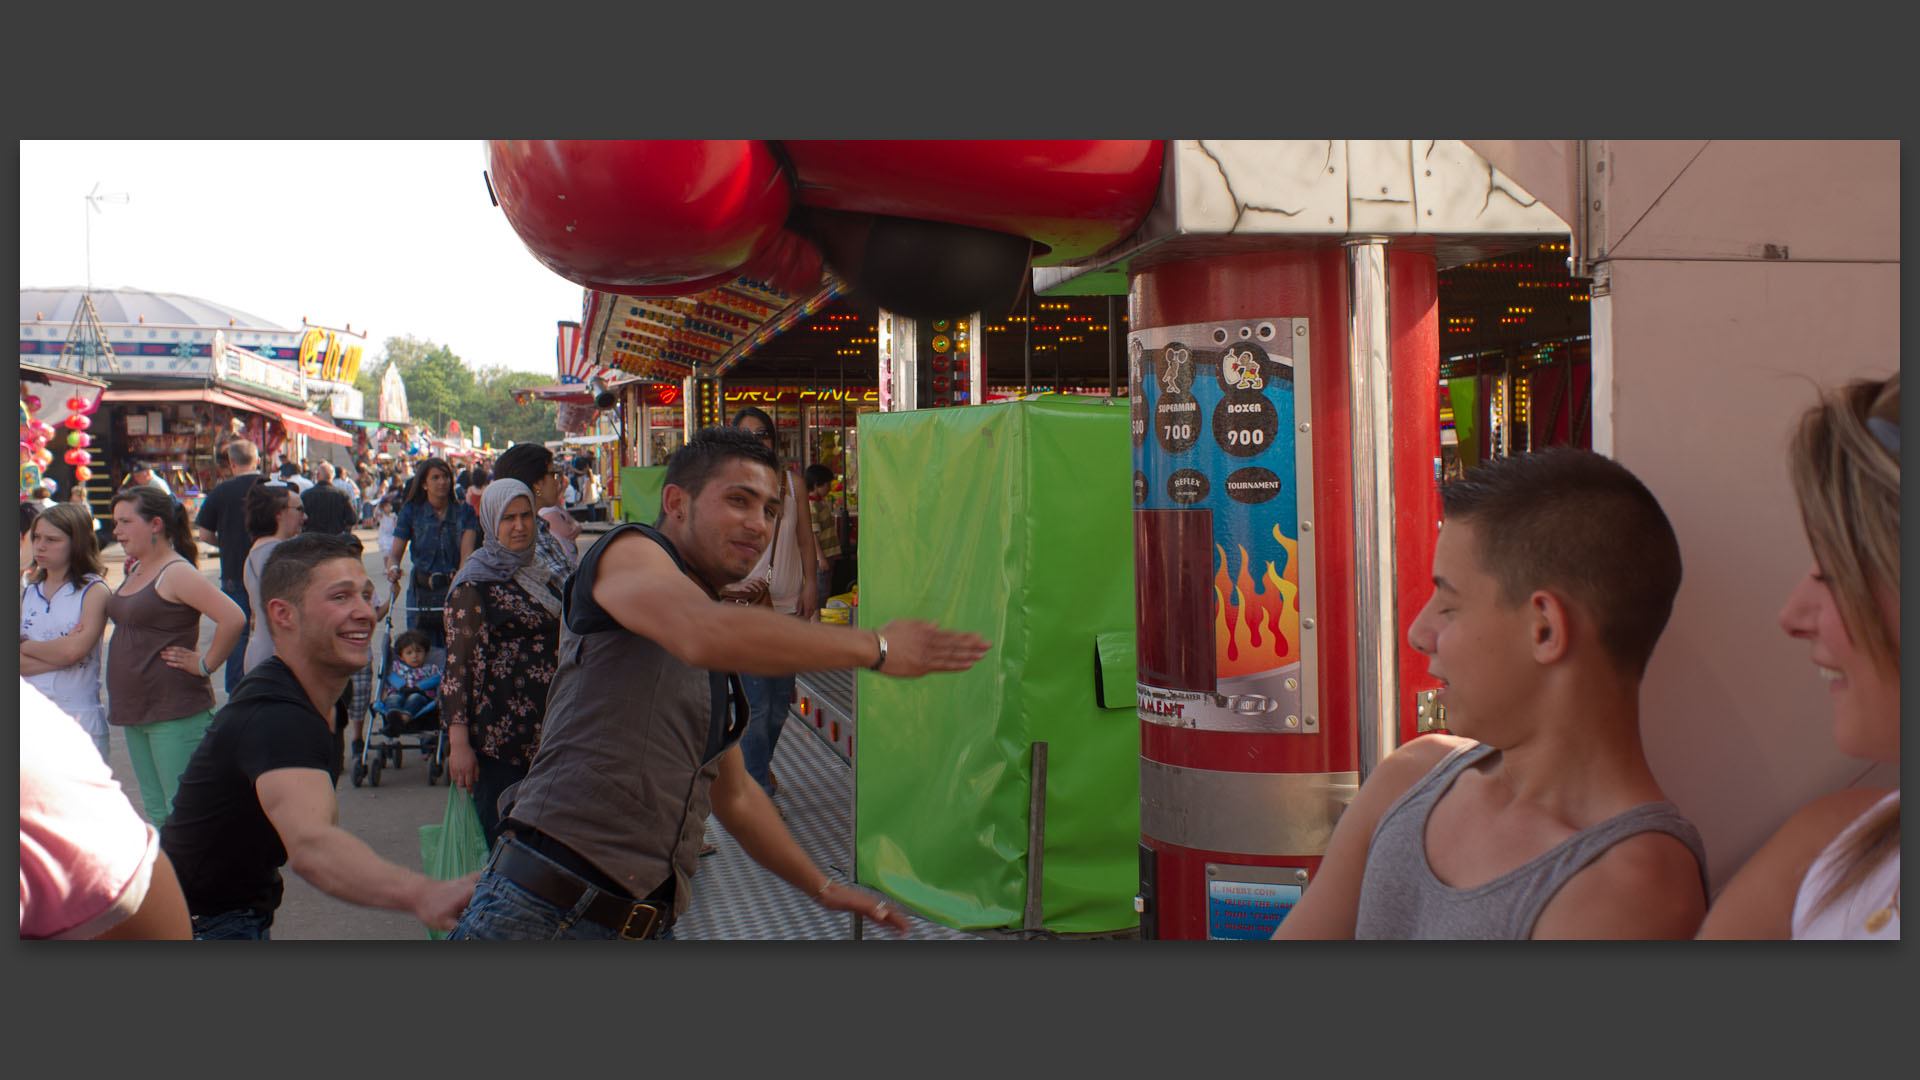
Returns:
(1251,637)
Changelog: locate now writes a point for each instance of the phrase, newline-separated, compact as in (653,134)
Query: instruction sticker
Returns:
(1247,910)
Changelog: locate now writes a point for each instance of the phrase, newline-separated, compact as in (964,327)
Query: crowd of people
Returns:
(601,702)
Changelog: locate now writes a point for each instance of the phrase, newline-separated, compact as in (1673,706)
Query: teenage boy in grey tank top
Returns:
(1538,817)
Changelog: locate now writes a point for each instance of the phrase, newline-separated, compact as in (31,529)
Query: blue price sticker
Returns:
(1247,910)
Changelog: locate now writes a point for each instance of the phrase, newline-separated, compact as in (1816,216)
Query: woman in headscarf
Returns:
(503,640)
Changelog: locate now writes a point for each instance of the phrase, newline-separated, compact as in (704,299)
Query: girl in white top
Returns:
(63,617)
(1833,870)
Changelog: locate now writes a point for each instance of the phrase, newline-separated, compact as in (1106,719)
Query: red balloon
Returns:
(76,457)
(81,438)
(628,215)
(77,422)
(83,474)
(76,404)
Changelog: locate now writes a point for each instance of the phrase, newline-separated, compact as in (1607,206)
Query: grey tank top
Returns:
(1401,899)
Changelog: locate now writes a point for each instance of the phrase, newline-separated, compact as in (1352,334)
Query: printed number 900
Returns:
(1250,437)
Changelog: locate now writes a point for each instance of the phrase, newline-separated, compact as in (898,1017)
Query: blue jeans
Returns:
(236,660)
(503,911)
(769,699)
(413,703)
(242,924)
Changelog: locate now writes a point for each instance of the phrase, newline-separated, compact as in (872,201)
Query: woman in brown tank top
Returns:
(158,691)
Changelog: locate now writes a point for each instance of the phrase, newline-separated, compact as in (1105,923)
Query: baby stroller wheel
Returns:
(374,766)
(434,769)
(393,753)
(359,770)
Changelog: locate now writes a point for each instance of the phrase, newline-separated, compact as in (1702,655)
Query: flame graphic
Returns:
(1269,609)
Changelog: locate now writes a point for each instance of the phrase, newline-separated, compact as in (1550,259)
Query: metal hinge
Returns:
(1590,220)
(1429,714)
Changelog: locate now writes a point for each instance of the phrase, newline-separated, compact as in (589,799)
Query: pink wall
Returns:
(1704,350)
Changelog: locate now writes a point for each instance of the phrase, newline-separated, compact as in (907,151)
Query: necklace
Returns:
(1880,918)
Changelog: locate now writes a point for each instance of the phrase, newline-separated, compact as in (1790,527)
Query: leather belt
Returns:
(633,920)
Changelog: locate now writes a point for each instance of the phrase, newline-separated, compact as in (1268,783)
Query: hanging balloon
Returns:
(91,407)
(76,422)
(76,403)
(33,400)
(76,457)
(84,438)
(44,456)
(26,450)
(73,438)
(83,474)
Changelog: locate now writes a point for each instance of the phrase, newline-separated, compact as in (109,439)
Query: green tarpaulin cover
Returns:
(1013,521)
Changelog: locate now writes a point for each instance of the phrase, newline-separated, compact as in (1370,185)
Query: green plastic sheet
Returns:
(640,492)
(457,846)
(1013,521)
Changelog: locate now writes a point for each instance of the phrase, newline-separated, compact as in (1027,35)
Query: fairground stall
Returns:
(185,376)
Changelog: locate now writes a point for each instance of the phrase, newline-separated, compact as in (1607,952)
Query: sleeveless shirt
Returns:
(630,747)
(141,687)
(75,688)
(1846,917)
(1400,898)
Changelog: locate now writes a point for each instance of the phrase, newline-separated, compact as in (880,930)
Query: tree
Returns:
(501,420)
(440,387)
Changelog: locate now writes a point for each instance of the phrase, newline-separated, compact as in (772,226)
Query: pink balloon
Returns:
(83,438)
(76,457)
(33,402)
(76,422)
(26,451)
(75,404)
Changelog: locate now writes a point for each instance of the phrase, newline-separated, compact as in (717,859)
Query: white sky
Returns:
(391,237)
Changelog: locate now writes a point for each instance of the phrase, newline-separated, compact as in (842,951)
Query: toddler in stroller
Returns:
(407,710)
(413,685)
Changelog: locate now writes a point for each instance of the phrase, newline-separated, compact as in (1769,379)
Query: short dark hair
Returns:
(406,638)
(264,503)
(1578,522)
(290,568)
(692,465)
(528,463)
(818,474)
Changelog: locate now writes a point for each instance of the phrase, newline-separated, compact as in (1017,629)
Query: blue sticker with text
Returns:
(1247,910)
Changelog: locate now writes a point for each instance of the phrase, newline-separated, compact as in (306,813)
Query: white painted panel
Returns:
(1711,366)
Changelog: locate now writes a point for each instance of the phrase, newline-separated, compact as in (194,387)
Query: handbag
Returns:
(455,847)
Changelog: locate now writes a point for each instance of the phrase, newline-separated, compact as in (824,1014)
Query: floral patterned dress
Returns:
(503,651)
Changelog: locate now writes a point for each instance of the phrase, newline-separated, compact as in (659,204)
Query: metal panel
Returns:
(1380,187)
(1242,813)
(1226,196)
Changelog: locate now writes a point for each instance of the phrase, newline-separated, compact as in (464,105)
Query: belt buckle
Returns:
(653,920)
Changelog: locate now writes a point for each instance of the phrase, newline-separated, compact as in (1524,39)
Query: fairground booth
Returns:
(179,377)
(1162,419)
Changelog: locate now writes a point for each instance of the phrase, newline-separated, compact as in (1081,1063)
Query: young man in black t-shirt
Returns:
(258,793)
(223,521)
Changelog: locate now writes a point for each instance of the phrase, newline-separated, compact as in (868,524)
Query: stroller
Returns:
(391,731)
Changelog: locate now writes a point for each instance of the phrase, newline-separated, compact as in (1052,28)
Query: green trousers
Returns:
(160,753)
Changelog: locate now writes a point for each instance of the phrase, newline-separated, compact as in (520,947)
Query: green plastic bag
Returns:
(457,846)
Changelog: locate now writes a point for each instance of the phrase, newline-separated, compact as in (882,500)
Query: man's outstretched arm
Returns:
(640,587)
(301,805)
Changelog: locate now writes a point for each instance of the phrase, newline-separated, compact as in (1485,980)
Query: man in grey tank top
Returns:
(1539,817)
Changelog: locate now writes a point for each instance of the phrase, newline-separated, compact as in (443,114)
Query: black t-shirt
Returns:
(222,845)
(329,510)
(225,513)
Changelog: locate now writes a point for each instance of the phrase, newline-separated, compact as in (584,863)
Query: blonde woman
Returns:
(1833,870)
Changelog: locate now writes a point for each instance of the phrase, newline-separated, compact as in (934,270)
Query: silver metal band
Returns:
(1242,813)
